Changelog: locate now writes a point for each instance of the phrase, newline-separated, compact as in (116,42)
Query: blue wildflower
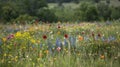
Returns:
(58,43)
(72,41)
(65,43)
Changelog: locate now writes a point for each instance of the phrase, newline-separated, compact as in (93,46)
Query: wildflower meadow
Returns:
(59,44)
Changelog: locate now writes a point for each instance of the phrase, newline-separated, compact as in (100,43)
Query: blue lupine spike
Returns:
(72,41)
(49,43)
(111,38)
(65,42)
(96,37)
(103,39)
(41,45)
(58,43)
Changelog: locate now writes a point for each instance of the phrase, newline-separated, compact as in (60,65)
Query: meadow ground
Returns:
(60,45)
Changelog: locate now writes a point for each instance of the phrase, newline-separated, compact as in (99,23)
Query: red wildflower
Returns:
(10,36)
(66,36)
(99,35)
(83,32)
(59,27)
(93,34)
(44,37)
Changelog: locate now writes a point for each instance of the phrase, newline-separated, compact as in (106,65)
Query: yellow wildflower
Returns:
(4,39)
(58,32)
(18,34)
(32,40)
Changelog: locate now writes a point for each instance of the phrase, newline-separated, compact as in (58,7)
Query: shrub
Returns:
(87,12)
(115,12)
(9,11)
(25,17)
(104,11)
(45,14)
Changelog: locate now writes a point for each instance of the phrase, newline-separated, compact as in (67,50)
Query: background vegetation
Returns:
(59,10)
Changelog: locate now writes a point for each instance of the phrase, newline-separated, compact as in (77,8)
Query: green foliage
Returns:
(13,9)
(45,14)
(24,18)
(87,12)
(31,6)
(9,11)
(115,13)
(91,10)
(104,11)
(64,13)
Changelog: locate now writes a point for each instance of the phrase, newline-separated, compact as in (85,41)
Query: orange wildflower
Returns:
(80,38)
(102,56)
(46,51)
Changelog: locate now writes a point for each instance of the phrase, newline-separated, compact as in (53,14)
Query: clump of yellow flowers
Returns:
(24,35)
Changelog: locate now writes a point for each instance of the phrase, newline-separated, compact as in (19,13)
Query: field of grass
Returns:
(60,45)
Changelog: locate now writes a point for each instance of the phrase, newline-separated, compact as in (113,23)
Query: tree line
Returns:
(28,10)
(25,10)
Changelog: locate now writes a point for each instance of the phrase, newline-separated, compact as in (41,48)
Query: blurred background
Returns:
(12,11)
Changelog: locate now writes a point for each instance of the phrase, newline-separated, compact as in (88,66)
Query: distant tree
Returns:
(96,1)
(104,11)
(9,11)
(108,2)
(60,2)
(31,6)
(115,14)
(91,13)
(46,15)
(87,12)
(76,1)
